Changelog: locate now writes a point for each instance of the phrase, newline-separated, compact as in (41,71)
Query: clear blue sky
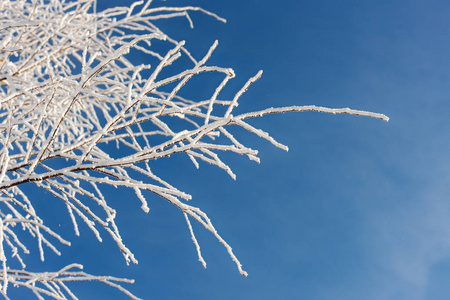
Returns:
(357,209)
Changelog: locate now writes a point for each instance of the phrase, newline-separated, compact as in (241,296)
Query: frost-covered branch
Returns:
(53,284)
(69,87)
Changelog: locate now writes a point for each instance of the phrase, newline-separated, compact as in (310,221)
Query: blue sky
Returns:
(357,209)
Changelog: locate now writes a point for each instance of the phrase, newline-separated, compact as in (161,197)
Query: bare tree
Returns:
(68,88)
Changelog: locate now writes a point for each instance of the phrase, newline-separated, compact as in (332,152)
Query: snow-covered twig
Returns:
(69,88)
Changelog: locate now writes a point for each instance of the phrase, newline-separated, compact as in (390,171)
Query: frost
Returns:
(67,89)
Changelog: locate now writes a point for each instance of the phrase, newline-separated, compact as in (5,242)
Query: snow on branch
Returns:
(53,284)
(69,87)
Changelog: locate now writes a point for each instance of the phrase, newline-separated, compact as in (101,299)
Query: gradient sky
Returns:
(357,209)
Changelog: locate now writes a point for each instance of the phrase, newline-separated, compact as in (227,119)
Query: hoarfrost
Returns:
(67,88)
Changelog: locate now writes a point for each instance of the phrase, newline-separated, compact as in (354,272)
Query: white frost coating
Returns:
(197,246)
(67,89)
(234,103)
(313,108)
(144,202)
(3,259)
(4,162)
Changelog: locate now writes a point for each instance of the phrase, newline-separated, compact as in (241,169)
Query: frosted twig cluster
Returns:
(69,88)
(53,283)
